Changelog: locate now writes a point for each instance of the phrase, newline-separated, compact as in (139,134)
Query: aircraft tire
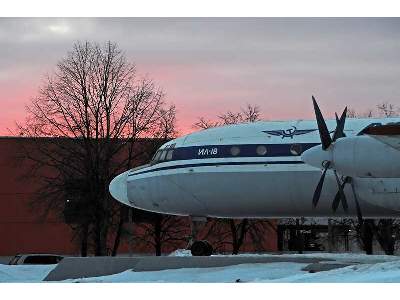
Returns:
(201,248)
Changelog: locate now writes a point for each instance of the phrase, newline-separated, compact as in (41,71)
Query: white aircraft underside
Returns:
(255,170)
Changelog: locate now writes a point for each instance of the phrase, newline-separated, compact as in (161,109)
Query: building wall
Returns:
(24,229)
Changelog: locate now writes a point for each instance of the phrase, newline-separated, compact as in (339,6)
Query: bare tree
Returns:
(250,113)
(232,234)
(93,110)
(161,231)
(203,123)
(387,109)
(384,109)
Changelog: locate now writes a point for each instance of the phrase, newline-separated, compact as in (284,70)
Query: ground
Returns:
(361,268)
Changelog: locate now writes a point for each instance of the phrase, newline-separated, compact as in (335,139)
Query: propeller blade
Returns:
(340,125)
(326,140)
(318,190)
(340,195)
(358,208)
(335,203)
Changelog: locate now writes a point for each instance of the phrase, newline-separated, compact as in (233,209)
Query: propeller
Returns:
(326,142)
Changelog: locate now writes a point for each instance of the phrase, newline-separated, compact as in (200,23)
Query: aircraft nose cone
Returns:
(316,157)
(118,188)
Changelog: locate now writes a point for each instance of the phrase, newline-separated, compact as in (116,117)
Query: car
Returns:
(35,259)
(314,246)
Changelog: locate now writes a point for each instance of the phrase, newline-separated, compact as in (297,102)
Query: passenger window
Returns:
(261,150)
(235,151)
(296,149)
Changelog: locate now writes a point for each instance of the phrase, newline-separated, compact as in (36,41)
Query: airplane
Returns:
(272,169)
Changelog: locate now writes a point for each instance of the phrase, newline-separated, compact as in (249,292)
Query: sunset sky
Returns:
(208,66)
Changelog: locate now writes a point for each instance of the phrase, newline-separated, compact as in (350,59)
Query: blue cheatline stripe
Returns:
(246,150)
(231,163)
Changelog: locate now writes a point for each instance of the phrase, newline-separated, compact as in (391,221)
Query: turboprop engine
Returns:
(372,154)
(357,156)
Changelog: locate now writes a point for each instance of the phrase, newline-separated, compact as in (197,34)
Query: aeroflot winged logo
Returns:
(288,132)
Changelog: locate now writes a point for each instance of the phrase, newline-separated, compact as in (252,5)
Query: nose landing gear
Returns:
(198,247)
(201,248)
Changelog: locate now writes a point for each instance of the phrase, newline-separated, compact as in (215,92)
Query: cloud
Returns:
(207,65)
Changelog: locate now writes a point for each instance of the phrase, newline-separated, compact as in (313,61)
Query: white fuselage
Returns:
(251,170)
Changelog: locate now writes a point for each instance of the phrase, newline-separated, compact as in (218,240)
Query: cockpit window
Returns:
(157,156)
(163,154)
(169,154)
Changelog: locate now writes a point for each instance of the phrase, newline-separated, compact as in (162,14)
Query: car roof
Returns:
(36,254)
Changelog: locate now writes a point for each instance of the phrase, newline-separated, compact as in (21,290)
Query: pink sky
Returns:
(209,66)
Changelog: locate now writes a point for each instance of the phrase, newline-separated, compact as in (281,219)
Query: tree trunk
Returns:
(97,240)
(384,235)
(157,235)
(100,239)
(238,234)
(280,233)
(242,233)
(299,238)
(84,240)
(367,236)
(118,236)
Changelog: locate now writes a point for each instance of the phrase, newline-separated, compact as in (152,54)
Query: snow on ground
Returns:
(272,272)
(378,273)
(244,272)
(24,273)
(181,252)
(363,268)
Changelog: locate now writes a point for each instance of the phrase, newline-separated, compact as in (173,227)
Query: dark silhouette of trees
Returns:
(160,231)
(85,125)
(232,234)
(250,113)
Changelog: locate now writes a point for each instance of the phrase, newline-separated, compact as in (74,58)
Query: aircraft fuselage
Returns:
(251,170)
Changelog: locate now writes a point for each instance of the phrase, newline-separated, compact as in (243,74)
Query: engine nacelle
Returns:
(364,156)
(357,156)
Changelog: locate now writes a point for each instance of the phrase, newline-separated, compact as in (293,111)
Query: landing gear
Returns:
(198,247)
(201,248)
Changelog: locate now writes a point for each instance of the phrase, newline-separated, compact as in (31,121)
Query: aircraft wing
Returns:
(388,134)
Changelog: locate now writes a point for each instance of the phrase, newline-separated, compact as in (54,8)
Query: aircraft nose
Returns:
(316,157)
(118,188)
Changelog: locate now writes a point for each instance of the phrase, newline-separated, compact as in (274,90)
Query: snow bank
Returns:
(272,272)
(24,273)
(386,272)
(181,252)
(363,268)
(244,273)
